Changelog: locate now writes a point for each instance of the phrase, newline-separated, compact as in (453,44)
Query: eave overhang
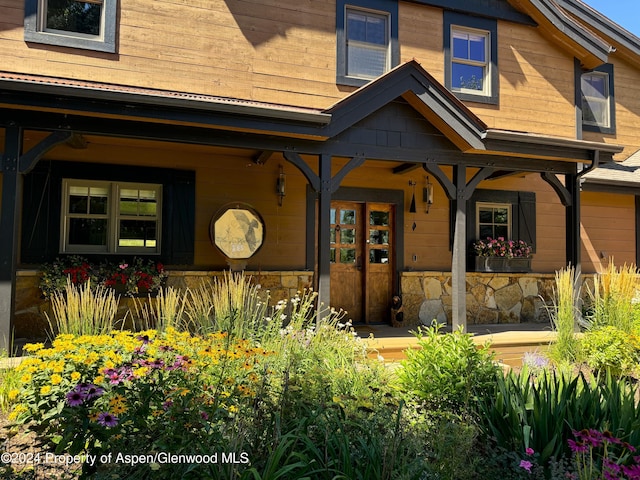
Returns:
(532,145)
(33,92)
(626,44)
(581,42)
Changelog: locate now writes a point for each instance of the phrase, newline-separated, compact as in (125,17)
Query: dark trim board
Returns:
(499,9)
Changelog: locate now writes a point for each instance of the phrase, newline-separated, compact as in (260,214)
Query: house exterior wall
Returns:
(287,55)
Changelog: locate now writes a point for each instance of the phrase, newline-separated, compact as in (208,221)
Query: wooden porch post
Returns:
(324,233)
(9,223)
(459,254)
(572,220)
(459,191)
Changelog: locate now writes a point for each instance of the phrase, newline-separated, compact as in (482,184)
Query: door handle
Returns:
(359,262)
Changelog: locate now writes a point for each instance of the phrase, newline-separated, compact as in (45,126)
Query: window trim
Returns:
(461,22)
(508,206)
(377,7)
(606,69)
(105,42)
(113,217)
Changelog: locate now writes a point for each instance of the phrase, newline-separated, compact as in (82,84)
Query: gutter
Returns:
(511,136)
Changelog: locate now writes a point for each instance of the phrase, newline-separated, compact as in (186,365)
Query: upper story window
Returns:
(88,25)
(367,35)
(367,44)
(110,217)
(470,46)
(597,102)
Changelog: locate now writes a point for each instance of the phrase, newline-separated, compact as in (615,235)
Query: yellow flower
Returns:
(117,400)
(26,378)
(33,347)
(46,390)
(118,409)
(98,380)
(17,410)
(232,409)
(75,376)
(13,393)
(56,379)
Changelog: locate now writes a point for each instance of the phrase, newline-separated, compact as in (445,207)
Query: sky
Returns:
(625,13)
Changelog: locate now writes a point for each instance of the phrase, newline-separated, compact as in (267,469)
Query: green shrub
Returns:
(609,348)
(448,371)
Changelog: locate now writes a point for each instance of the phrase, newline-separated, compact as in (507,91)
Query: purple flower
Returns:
(90,390)
(75,398)
(107,420)
(526,464)
(144,339)
(167,405)
(577,447)
(529,451)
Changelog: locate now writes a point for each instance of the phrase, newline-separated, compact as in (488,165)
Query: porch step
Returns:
(509,346)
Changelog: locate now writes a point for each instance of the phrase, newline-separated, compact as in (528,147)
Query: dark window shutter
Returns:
(526,218)
(179,219)
(40,235)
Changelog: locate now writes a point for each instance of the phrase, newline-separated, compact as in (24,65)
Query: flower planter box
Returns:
(503,265)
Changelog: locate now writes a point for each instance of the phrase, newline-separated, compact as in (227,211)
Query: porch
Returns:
(509,341)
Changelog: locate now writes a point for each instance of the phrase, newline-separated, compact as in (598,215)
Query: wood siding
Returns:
(285,52)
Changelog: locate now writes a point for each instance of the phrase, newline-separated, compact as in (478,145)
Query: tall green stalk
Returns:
(612,298)
(564,316)
(83,310)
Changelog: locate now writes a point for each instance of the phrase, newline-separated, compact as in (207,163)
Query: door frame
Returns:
(362,195)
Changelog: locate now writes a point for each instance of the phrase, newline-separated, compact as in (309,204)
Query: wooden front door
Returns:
(362,260)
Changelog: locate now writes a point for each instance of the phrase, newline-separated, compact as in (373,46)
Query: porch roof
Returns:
(622,174)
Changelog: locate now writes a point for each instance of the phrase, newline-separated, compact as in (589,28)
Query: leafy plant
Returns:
(542,412)
(448,371)
(609,348)
(73,269)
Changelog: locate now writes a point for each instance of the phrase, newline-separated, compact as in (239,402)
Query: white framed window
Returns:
(367,43)
(493,220)
(110,217)
(595,99)
(470,61)
(86,24)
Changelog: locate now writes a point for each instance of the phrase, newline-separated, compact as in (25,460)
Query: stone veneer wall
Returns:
(31,323)
(491,297)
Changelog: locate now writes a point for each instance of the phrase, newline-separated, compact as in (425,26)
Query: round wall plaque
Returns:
(237,230)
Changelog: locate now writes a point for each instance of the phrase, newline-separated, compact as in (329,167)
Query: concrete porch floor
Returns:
(509,341)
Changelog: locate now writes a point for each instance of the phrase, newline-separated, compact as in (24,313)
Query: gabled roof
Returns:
(626,44)
(453,118)
(423,92)
(584,44)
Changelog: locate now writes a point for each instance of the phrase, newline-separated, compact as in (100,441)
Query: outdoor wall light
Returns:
(281,185)
(427,194)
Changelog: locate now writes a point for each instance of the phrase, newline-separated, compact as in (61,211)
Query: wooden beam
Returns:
(459,254)
(558,187)
(405,168)
(338,177)
(306,170)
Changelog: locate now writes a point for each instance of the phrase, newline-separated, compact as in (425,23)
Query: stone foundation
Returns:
(31,321)
(491,297)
